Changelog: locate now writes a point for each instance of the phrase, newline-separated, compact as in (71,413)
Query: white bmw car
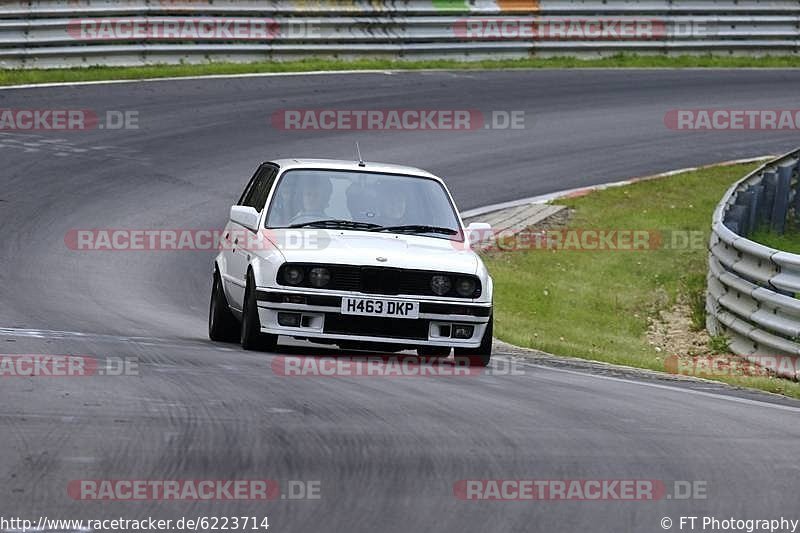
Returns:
(360,255)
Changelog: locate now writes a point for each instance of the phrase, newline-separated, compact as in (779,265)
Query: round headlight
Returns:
(319,277)
(293,275)
(440,285)
(465,287)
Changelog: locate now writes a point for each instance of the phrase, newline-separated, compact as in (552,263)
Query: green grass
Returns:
(596,304)
(27,76)
(789,241)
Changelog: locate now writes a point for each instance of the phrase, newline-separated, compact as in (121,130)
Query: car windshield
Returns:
(364,201)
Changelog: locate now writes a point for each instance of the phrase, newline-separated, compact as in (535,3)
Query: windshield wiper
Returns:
(417,228)
(335,223)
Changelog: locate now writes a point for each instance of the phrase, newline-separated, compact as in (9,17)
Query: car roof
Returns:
(340,164)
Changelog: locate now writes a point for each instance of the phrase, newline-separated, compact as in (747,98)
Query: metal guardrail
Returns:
(752,289)
(45,33)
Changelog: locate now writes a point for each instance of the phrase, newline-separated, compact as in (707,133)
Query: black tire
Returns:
(250,335)
(481,355)
(433,351)
(222,325)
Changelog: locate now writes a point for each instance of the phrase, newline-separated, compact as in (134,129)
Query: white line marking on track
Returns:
(683,390)
(206,77)
(389,72)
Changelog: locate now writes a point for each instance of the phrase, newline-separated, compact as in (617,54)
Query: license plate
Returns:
(370,307)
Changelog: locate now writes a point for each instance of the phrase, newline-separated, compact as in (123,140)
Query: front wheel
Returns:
(222,325)
(250,336)
(481,355)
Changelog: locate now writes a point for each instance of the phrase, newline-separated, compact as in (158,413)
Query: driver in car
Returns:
(315,195)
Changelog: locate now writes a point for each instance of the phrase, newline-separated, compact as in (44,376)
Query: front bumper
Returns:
(322,320)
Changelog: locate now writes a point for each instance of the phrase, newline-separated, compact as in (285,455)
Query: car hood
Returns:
(364,248)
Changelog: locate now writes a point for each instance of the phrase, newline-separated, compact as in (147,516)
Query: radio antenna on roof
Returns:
(360,160)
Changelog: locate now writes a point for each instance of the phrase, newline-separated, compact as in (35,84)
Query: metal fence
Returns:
(49,33)
(752,289)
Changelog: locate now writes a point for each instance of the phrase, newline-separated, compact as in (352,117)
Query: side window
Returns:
(248,188)
(256,195)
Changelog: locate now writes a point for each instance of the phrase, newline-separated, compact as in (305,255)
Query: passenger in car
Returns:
(393,210)
(361,201)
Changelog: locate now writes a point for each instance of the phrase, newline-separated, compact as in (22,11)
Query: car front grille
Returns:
(345,278)
(380,280)
(373,326)
(377,280)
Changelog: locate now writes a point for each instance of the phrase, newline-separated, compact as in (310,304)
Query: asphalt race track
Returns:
(386,452)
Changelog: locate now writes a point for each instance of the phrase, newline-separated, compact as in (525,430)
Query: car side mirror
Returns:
(478,232)
(245,216)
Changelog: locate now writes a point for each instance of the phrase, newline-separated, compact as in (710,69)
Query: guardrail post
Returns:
(770,182)
(758,204)
(796,200)
(781,205)
(748,200)
(736,218)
